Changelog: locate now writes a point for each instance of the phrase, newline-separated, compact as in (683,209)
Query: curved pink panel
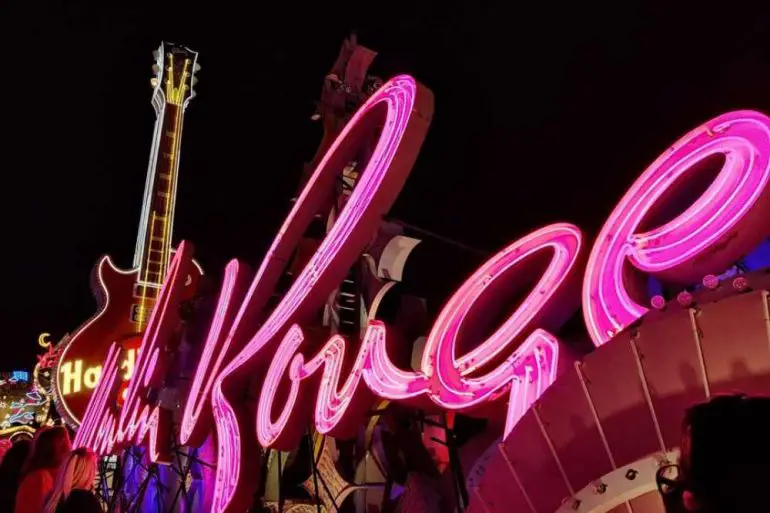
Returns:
(406,108)
(722,225)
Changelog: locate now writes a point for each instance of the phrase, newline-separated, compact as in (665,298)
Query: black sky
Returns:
(541,115)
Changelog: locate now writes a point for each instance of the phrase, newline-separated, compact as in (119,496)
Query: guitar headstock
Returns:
(174,73)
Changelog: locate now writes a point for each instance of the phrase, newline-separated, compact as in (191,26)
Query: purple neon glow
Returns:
(743,138)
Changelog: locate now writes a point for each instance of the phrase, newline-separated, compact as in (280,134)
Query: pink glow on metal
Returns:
(333,401)
(268,431)
(684,298)
(383,377)
(658,302)
(710,281)
(215,349)
(528,371)
(741,284)
(398,96)
(674,249)
(95,417)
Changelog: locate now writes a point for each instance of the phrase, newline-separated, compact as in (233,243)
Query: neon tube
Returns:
(695,242)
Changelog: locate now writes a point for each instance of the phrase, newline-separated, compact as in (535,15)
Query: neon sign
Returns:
(694,243)
(462,367)
(21,413)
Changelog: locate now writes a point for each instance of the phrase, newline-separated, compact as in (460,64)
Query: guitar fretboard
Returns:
(158,232)
(173,81)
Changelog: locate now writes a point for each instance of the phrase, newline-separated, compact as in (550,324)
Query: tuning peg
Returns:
(194,80)
(196,68)
(155,68)
(154,82)
(155,54)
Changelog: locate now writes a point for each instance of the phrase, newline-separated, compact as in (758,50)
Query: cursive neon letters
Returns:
(518,359)
(694,243)
(403,108)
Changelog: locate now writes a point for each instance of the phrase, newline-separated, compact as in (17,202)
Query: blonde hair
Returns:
(78,472)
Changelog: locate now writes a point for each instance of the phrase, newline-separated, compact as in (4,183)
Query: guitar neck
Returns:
(154,241)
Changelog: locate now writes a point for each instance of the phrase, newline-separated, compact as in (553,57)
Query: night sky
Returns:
(541,116)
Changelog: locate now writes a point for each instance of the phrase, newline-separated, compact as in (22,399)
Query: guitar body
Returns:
(118,294)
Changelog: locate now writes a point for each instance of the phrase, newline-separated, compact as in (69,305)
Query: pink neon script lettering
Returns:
(137,418)
(449,381)
(94,430)
(693,244)
(103,428)
(406,108)
(529,370)
(217,348)
(458,389)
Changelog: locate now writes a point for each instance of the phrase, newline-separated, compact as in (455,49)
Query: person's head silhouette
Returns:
(725,457)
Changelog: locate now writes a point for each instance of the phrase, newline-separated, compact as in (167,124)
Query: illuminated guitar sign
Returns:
(464,365)
(126,298)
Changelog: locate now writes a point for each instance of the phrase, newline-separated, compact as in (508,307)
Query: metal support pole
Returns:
(117,485)
(280,478)
(454,463)
(315,469)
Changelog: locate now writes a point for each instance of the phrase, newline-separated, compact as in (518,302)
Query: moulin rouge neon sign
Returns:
(518,360)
